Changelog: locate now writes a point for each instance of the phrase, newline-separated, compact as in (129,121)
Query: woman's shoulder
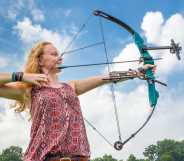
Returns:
(70,83)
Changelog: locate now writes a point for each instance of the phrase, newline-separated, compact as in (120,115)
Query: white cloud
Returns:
(151,25)
(12,9)
(14,129)
(30,33)
(130,52)
(159,32)
(3,62)
(37,15)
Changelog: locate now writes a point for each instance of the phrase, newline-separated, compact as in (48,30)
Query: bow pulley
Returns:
(118,145)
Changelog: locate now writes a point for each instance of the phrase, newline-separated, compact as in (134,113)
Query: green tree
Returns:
(151,152)
(166,150)
(132,158)
(105,158)
(13,153)
(166,157)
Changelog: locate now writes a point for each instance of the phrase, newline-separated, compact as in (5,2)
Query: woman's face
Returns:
(50,59)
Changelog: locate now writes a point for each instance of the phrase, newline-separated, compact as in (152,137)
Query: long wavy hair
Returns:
(31,66)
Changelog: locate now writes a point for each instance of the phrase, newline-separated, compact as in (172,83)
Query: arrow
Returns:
(103,63)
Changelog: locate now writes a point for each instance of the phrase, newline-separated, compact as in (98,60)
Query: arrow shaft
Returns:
(103,63)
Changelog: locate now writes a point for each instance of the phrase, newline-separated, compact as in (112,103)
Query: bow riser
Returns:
(147,58)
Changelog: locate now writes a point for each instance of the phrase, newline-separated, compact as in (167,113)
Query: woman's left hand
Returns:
(149,66)
(141,71)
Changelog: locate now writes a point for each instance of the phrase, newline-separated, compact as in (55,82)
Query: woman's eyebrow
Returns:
(54,52)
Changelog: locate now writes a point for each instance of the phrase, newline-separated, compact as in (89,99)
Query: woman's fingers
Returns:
(142,70)
(148,66)
(42,79)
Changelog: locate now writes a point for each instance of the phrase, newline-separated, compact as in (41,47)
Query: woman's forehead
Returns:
(50,48)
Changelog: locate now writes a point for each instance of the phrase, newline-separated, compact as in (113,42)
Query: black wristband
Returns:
(17,76)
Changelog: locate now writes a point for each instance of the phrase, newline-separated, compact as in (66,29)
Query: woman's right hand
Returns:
(36,79)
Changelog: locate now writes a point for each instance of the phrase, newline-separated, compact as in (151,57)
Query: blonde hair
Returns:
(31,66)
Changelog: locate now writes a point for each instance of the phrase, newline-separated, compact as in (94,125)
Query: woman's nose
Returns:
(60,59)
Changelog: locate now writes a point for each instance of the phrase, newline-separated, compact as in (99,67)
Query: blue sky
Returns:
(25,22)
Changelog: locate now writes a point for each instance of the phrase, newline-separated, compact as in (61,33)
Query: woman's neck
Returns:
(52,77)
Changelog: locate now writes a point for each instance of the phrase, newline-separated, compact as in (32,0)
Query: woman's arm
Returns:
(5,78)
(11,90)
(84,85)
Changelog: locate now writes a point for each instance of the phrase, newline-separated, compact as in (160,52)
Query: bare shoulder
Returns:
(72,83)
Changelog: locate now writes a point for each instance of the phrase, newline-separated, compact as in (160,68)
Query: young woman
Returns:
(58,130)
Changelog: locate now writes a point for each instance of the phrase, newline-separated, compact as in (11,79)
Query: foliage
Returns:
(105,158)
(166,150)
(13,153)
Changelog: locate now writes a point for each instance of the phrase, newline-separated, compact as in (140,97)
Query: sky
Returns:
(23,23)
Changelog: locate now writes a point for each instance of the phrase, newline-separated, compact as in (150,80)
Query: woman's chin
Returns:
(58,70)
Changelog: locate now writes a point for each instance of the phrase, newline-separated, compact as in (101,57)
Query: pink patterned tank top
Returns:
(57,124)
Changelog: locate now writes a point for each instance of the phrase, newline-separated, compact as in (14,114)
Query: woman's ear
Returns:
(40,61)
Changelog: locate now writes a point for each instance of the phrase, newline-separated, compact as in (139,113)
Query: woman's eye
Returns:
(55,54)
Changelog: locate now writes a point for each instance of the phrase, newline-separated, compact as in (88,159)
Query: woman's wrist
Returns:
(17,76)
(118,76)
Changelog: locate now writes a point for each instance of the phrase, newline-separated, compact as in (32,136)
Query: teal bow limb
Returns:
(147,59)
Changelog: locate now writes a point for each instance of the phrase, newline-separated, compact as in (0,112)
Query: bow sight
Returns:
(174,48)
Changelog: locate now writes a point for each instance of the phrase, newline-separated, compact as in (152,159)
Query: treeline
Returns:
(165,150)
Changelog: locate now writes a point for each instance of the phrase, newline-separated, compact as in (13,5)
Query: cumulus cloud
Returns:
(30,34)
(12,9)
(130,52)
(152,24)
(14,129)
(159,32)
(4,62)
(37,15)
